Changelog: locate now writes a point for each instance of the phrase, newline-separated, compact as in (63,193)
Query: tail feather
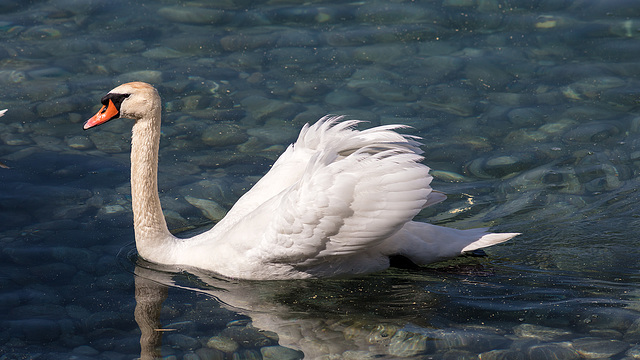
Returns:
(425,243)
(489,240)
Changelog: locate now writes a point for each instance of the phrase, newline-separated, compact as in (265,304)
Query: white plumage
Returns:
(338,201)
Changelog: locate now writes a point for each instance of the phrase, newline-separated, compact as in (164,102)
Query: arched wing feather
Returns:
(345,204)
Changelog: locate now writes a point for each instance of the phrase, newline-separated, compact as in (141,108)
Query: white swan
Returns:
(338,201)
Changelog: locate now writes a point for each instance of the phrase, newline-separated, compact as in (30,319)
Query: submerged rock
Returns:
(632,335)
(593,132)
(150,76)
(210,354)
(193,14)
(211,209)
(634,352)
(406,344)
(262,108)
(280,353)
(79,142)
(553,351)
(502,354)
(609,318)
(596,348)
(224,134)
(502,165)
(183,342)
(540,332)
(222,343)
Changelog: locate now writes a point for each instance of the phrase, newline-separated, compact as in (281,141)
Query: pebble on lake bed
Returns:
(79,142)
(280,353)
(224,134)
(596,348)
(211,209)
(223,343)
(542,333)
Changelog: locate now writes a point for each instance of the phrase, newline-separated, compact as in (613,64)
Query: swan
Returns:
(337,202)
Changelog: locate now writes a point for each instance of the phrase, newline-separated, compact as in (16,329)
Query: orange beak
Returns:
(105,114)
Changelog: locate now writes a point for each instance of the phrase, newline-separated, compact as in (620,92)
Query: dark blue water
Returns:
(529,116)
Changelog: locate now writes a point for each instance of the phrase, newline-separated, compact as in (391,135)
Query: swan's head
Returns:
(134,100)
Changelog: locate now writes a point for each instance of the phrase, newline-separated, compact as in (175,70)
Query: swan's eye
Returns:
(117,99)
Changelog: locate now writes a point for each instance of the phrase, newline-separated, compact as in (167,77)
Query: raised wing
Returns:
(327,133)
(347,200)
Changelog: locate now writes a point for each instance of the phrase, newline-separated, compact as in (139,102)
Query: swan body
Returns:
(338,201)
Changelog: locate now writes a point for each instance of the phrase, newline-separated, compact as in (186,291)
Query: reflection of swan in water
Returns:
(312,316)
(149,298)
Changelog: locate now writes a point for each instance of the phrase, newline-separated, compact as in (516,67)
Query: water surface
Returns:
(528,112)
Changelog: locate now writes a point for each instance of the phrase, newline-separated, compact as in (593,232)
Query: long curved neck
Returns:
(152,235)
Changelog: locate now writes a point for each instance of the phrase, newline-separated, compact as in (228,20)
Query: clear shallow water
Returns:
(528,111)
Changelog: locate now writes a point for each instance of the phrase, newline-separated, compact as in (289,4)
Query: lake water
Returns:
(529,116)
